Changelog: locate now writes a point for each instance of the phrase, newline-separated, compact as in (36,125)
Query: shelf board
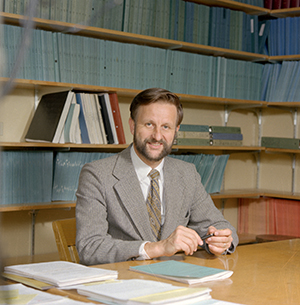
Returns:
(119,147)
(218,148)
(286,12)
(283,58)
(113,147)
(283,104)
(242,193)
(282,195)
(125,37)
(282,150)
(37,206)
(220,100)
(38,84)
(123,92)
(66,147)
(247,8)
(254,193)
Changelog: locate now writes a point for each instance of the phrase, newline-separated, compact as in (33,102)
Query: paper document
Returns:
(143,292)
(61,273)
(18,294)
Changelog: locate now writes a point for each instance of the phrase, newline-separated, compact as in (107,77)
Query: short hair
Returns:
(153,95)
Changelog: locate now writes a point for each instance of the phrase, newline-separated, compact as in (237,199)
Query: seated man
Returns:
(123,213)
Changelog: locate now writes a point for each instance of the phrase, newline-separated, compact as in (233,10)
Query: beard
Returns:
(141,147)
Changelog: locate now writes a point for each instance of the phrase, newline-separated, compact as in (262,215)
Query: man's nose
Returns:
(157,135)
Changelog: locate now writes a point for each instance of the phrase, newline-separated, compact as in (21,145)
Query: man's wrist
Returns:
(142,252)
(152,249)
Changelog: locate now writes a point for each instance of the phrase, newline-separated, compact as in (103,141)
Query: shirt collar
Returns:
(141,168)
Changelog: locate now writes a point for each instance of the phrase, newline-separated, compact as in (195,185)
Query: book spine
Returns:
(268,4)
(187,141)
(113,97)
(225,129)
(226,136)
(276,4)
(190,127)
(193,134)
(275,142)
(285,4)
(294,3)
(226,142)
(82,123)
(104,112)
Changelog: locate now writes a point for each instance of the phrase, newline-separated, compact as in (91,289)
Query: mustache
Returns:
(153,141)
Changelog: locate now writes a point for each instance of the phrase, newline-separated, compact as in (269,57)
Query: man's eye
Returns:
(166,127)
(148,124)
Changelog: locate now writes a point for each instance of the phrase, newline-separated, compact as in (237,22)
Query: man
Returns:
(112,199)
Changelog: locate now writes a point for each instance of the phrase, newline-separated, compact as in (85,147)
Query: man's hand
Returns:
(182,239)
(220,242)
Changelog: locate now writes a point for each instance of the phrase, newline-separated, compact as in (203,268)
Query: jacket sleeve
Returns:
(204,213)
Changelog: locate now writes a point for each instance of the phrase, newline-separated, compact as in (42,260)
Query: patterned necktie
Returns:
(154,204)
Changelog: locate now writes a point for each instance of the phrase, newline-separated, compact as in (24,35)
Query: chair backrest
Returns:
(65,236)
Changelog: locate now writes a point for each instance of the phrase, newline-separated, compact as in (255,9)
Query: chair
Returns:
(65,237)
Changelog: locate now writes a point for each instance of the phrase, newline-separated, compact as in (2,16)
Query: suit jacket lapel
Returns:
(129,191)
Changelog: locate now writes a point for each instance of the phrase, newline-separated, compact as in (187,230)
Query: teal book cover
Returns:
(183,272)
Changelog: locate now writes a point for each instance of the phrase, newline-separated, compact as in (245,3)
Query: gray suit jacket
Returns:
(111,214)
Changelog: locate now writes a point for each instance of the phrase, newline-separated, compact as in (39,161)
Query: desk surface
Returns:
(264,273)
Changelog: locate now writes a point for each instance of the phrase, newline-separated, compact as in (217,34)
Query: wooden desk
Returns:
(265,273)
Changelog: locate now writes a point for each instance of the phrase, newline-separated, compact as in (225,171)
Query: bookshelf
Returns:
(250,154)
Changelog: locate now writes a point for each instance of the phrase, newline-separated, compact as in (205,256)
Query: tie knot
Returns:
(154,174)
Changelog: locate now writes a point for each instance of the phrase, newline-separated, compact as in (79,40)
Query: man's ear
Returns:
(131,125)
(177,128)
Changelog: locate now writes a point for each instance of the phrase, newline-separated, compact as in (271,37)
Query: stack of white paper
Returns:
(20,294)
(61,274)
(138,292)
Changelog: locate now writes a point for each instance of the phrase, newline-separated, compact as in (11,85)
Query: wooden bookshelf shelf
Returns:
(123,92)
(234,5)
(61,147)
(115,147)
(283,58)
(286,12)
(118,147)
(225,149)
(228,194)
(36,206)
(283,104)
(282,150)
(124,37)
(220,100)
(255,193)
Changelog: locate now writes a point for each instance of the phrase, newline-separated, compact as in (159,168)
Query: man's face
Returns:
(154,131)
